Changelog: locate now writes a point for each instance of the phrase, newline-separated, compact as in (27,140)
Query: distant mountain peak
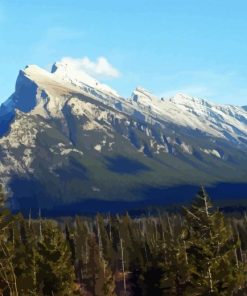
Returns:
(65,128)
(77,77)
(45,93)
(34,71)
(143,96)
(182,96)
(184,99)
(66,72)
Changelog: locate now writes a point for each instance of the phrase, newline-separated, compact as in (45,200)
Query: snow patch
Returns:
(95,189)
(186,148)
(213,152)
(70,150)
(98,147)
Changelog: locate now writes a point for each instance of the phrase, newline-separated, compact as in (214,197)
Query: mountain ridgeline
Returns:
(71,144)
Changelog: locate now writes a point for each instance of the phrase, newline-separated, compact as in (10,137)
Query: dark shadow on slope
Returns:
(72,171)
(124,165)
(134,139)
(139,116)
(28,194)
(25,194)
(25,95)
(70,124)
(5,122)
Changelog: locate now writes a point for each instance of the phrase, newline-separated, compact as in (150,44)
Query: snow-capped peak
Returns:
(66,73)
(183,99)
(143,96)
(77,77)
(45,93)
(35,70)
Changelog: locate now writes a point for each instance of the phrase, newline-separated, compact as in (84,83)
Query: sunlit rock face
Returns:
(65,138)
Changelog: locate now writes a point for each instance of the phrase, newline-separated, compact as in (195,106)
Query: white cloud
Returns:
(100,68)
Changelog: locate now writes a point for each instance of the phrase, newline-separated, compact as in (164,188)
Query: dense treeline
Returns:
(197,252)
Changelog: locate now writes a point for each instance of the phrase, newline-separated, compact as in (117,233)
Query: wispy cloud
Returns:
(101,68)
(57,40)
(222,86)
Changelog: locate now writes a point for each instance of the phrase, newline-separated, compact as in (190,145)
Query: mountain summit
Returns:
(65,139)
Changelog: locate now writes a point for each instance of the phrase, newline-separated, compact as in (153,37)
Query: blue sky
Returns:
(194,46)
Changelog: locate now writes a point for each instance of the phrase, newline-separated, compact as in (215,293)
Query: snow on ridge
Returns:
(70,150)
(52,84)
(213,152)
(224,121)
(65,72)
(184,99)
(142,95)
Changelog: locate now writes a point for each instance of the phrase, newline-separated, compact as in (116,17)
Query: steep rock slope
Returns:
(65,138)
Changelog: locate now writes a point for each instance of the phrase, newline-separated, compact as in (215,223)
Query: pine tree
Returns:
(71,243)
(210,250)
(25,258)
(154,274)
(80,248)
(151,276)
(104,241)
(175,265)
(56,272)
(109,280)
(100,279)
(8,282)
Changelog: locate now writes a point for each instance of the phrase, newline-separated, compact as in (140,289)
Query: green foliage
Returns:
(214,267)
(101,281)
(200,253)
(56,273)
(8,284)
(25,258)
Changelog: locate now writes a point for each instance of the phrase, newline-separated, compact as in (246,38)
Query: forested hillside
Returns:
(197,252)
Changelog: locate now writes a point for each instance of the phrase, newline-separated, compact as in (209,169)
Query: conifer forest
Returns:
(197,251)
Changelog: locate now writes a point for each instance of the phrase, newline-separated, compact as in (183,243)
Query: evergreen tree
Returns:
(71,243)
(56,272)
(150,279)
(80,239)
(175,265)
(100,279)
(211,251)
(25,258)
(8,282)
(109,280)
(104,241)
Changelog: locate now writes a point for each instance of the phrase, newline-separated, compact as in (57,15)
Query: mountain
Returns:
(67,140)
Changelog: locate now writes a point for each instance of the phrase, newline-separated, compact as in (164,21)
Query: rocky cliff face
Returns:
(65,137)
